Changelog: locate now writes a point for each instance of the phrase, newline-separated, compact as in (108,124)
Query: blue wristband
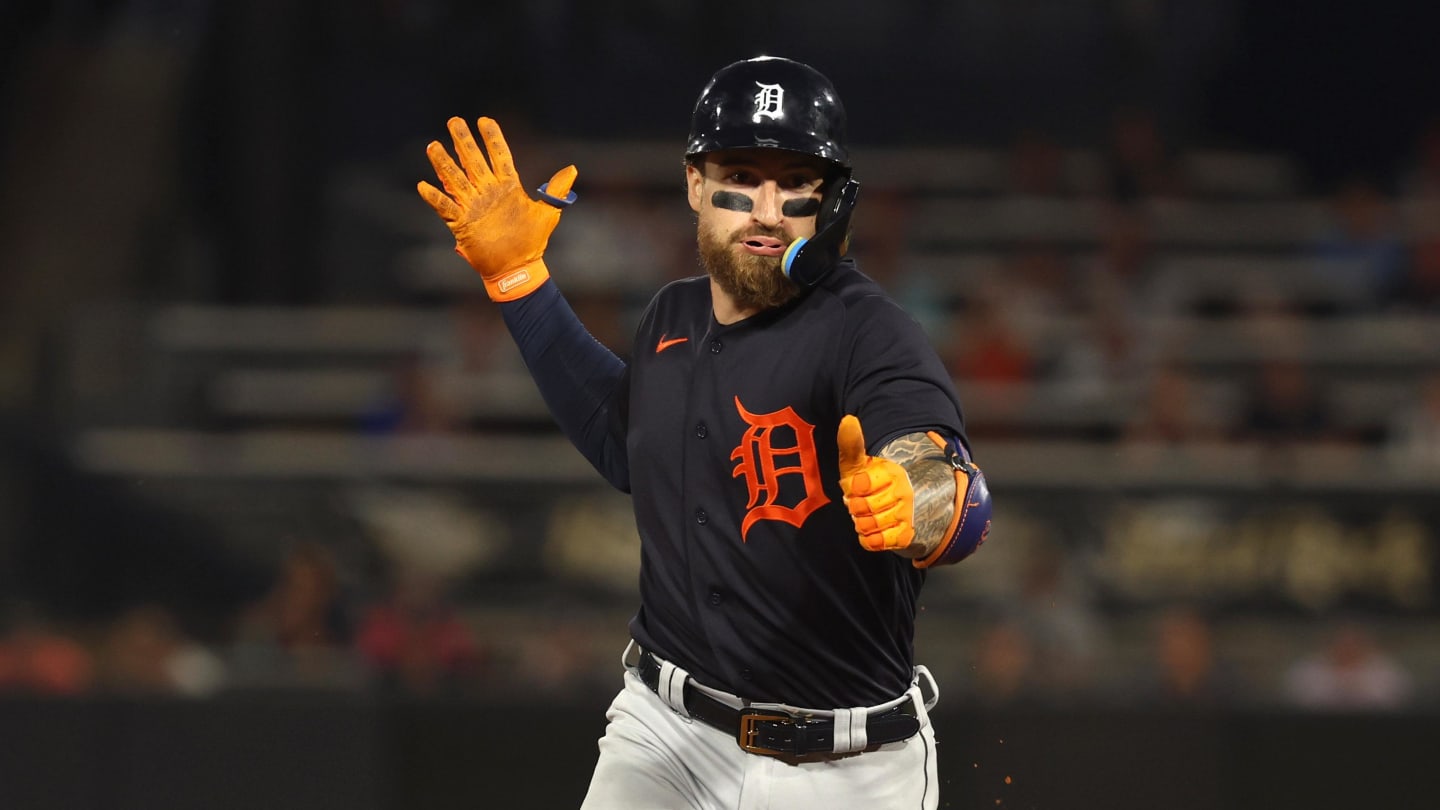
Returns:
(555,201)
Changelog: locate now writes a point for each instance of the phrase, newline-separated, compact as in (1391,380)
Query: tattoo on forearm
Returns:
(933,480)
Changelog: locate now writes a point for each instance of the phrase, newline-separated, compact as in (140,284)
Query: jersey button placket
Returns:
(702,517)
(701,431)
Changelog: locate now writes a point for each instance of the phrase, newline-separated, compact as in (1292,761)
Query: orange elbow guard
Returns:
(970,525)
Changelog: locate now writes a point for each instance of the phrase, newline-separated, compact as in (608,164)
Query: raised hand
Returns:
(498,228)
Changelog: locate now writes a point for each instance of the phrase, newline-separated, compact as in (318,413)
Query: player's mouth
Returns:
(763,245)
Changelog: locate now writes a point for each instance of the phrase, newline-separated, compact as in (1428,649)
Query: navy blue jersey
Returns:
(751,576)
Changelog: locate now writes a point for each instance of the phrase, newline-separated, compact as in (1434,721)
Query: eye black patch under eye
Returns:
(807,207)
(732,201)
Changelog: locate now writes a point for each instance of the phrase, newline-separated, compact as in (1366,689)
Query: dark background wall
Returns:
(311,754)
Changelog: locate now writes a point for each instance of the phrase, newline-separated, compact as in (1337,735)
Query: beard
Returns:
(752,282)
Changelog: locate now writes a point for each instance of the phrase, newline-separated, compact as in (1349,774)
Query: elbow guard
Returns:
(971,523)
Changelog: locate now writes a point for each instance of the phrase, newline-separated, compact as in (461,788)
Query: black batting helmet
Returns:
(773,102)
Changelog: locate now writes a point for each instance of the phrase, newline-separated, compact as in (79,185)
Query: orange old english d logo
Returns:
(756,459)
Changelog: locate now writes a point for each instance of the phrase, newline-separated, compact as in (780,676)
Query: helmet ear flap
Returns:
(837,199)
(807,261)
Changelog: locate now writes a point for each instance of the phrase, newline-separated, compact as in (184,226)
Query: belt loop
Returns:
(630,658)
(849,732)
(922,678)
(924,693)
(671,687)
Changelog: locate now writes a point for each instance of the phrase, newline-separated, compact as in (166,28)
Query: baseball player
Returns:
(794,449)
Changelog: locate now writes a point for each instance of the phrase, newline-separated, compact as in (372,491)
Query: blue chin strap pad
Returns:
(807,261)
(788,260)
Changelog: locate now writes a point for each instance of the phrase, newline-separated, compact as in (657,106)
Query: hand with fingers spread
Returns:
(498,228)
(878,492)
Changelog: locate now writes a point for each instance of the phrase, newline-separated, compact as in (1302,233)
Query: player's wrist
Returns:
(517,282)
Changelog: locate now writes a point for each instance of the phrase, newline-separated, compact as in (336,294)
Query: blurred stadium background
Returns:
(283,522)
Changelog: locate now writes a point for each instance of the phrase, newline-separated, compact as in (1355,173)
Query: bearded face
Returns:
(751,281)
(752,204)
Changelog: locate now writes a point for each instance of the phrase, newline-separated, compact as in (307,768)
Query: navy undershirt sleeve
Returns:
(580,379)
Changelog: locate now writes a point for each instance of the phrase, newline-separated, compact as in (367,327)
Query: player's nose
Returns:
(767,204)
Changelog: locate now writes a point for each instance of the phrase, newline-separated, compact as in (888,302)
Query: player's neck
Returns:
(726,310)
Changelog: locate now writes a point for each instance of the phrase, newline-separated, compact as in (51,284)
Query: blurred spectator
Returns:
(1351,672)
(885,241)
(1361,255)
(885,238)
(1186,669)
(477,341)
(1284,405)
(1139,163)
(1413,439)
(1422,178)
(1179,422)
(1066,636)
(145,652)
(1126,305)
(37,659)
(1036,166)
(1102,361)
(988,347)
(415,640)
(1420,289)
(1122,280)
(417,403)
(468,375)
(992,362)
(563,658)
(603,313)
(612,246)
(1003,672)
(299,634)
(1039,288)
(1172,412)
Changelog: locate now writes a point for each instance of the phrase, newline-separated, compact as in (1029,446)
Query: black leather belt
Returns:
(770,733)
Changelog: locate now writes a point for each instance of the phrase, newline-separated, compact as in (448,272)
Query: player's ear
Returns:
(694,181)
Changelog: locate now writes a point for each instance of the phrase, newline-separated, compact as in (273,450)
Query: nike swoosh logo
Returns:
(665,344)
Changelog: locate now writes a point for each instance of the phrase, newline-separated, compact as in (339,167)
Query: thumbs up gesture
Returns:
(877,491)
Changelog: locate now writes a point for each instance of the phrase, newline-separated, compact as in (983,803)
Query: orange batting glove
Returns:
(877,492)
(498,229)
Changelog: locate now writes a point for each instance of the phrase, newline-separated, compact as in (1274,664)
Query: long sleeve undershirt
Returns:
(580,379)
